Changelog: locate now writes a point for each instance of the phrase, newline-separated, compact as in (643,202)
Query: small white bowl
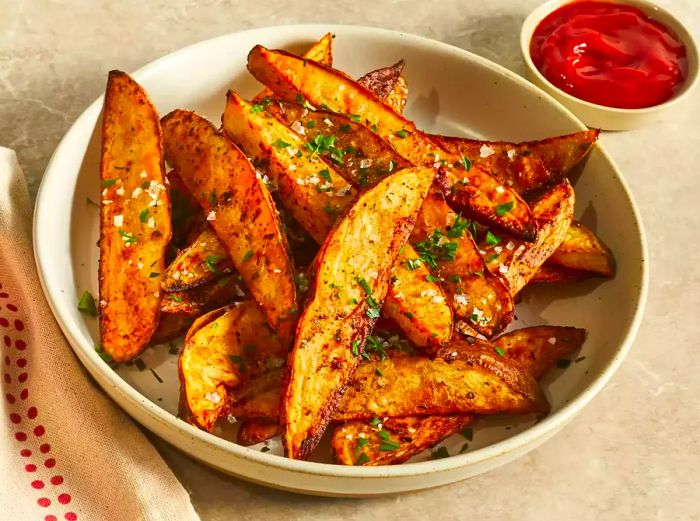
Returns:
(600,116)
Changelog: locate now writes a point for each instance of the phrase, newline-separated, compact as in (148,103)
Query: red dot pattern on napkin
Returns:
(24,415)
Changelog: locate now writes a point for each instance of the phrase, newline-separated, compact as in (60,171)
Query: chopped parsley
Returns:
(325,175)
(355,117)
(211,261)
(460,226)
(389,445)
(240,361)
(373,305)
(434,249)
(401,133)
(466,163)
(280,144)
(109,182)
(361,442)
(499,350)
(414,264)
(502,209)
(86,304)
(345,128)
(455,279)
(362,458)
(356,347)
(468,433)
(492,239)
(265,449)
(153,275)
(431,278)
(378,372)
(311,124)
(247,255)
(144,215)
(439,453)
(491,258)
(375,422)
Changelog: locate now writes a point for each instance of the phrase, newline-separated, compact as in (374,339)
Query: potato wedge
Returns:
(170,326)
(582,250)
(525,166)
(321,51)
(223,351)
(252,432)
(465,279)
(204,261)
(196,302)
(135,224)
(476,193)
(518,261)
(382,82)
(537,349)
(239,209)
(333,327)
(362,443)
(316,194)
(550,273)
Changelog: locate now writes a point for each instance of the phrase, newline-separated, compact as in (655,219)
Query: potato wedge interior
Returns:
(240,210)
(135,222)
(223,351)
(477,194)
(346,295)
(518,261)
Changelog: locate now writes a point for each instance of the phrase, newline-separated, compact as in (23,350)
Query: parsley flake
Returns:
(86,304)
(502,209)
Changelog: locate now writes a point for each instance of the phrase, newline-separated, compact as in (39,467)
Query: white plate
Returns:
(451,91)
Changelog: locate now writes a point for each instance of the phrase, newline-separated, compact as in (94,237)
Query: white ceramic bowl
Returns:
(600,116)
(452,91)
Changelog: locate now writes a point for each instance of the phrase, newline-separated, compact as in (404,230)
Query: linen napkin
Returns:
(67,452)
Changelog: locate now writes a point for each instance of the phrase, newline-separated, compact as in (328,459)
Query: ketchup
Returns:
(610,54)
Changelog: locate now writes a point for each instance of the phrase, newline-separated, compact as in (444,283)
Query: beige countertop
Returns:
(634,453)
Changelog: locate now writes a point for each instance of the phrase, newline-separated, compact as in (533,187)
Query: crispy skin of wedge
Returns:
(202,262)
(382,82)
(539,348)
(518,261)
(413,435)
(551,273)
(466,281)
(252,432)
(529,165)
(239,209)
(223,350)
(582,250)
(170,326)
(474,191)
(299,179)
(322,360)
(197,301)
(321,51)
(135,225)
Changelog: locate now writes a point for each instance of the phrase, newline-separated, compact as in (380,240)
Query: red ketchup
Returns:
(610,54)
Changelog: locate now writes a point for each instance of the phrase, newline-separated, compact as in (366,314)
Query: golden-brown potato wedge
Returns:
(477,194)
(321,51)
(332,329)
(252,432)
(197,301)
(204,261)
(550,273)
(398,439)
(135,225)
(315,194)
(525,166)
(170,326)
(518,261)
(223,351)
(239,209)
(539,348)
(582,250)
(398,96)
(383,82)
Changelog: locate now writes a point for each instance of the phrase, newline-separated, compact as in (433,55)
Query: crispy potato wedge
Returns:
(398,96)
(466,281)
(525,166)
(518,261)
(135,224)
(550,273)
(333,327)
(382,82)
(252,432)
(185,212)
(195,302)
(204,261)
(240,210)
(476,193)
(321,51)
(582,250)
(360,442)
(539,348)
(315,194)
(223,351)
(170,326)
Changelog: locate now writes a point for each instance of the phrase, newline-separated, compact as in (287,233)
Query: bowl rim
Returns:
(672,22)
(119,387)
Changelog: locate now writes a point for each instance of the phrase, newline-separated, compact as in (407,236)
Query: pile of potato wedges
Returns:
(332,266)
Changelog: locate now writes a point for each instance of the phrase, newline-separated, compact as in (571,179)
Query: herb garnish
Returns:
(502,209)
(86,304)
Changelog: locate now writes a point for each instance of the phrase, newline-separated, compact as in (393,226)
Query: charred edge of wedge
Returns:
(383,81)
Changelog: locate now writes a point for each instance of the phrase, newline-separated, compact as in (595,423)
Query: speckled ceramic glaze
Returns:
(451,91)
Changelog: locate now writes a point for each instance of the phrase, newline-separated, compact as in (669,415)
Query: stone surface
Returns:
(634,453)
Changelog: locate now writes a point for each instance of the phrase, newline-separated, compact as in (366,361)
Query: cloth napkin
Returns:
(67,452)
